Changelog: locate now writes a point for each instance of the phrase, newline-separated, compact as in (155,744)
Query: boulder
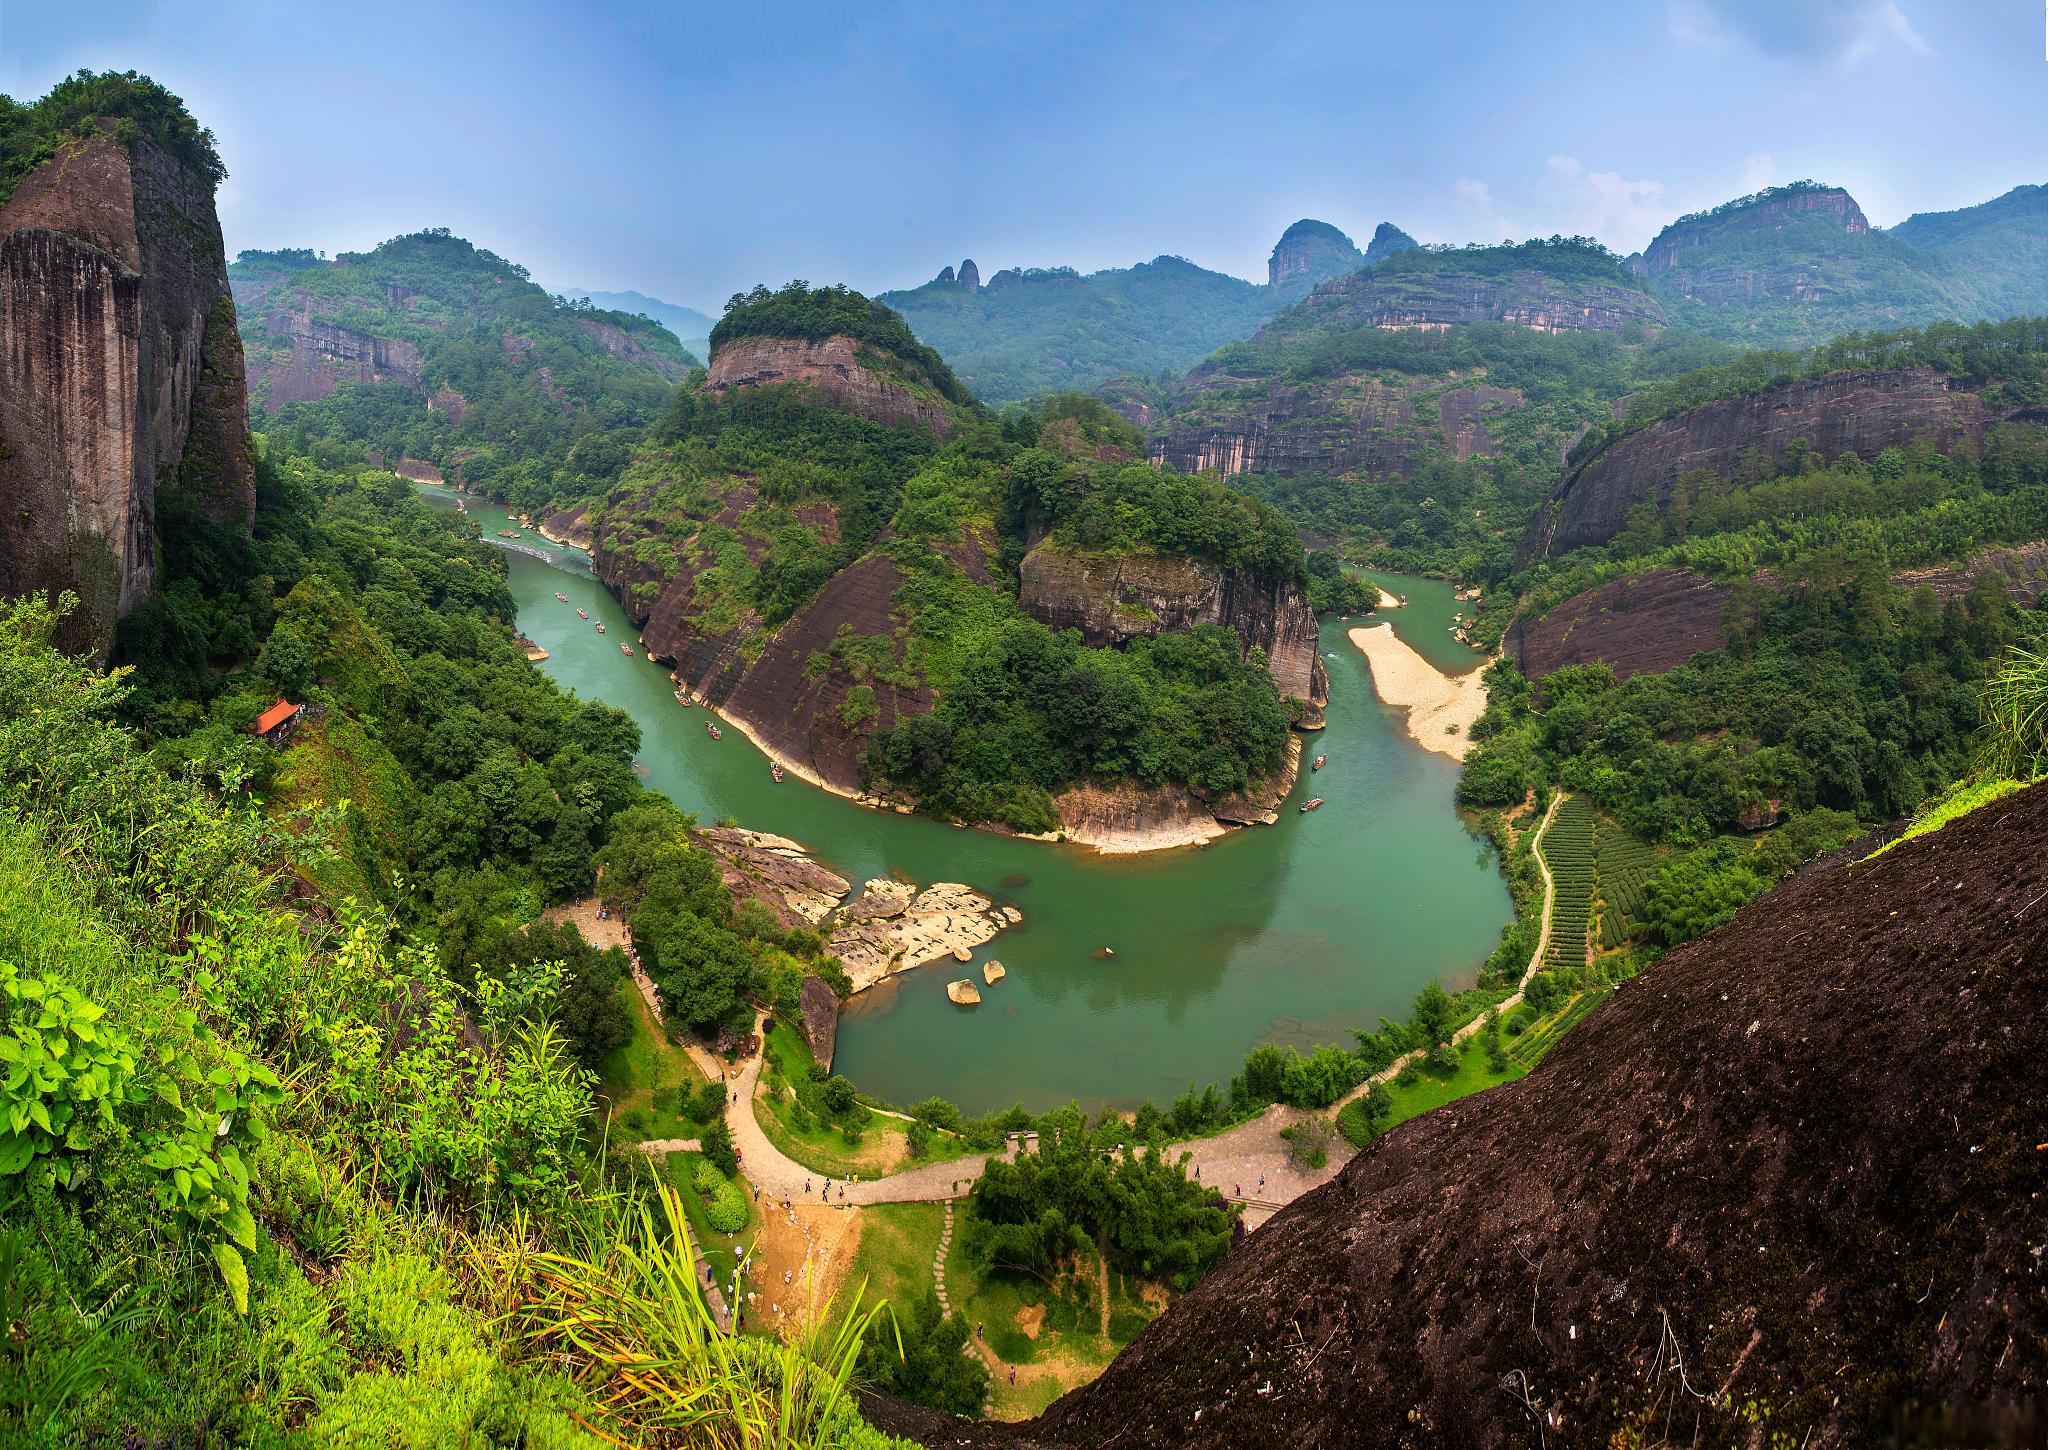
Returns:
(820,1007)
(993,972)
(963,993)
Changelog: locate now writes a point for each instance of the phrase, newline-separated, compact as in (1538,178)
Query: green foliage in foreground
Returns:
(287,1150)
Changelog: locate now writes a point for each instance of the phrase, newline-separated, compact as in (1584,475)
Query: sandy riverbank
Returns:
(1435,702)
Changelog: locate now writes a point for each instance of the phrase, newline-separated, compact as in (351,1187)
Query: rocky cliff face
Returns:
(1716,1194)
(834,367)
(122,376)
(1861,413)
(1657,620)
(621,344)
(1773,212)
(1644,624)
(1310,252)
(1112,599)
(319,356)
(1224,424)
(1446,295)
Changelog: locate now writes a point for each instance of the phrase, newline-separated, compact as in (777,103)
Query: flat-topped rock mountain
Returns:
(123,374)
(1773,211)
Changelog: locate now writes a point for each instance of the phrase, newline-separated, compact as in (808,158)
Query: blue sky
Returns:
(690,150)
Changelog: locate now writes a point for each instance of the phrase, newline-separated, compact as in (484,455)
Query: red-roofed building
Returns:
(275,724)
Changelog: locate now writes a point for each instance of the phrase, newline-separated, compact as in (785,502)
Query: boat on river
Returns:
(583,614)
(775,769)
(1317,763)
(714,730)
(508,533)
(600,626)
(1307,806)
(626,650)
(561,596)
(682,699)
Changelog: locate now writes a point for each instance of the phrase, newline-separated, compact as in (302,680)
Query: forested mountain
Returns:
(1040,330)
(837,547)
(687,323)
(446,360)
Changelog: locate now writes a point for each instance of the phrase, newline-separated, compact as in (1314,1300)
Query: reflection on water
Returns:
(1295,933)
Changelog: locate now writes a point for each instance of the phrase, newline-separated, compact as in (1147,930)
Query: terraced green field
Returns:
(1568,848)
(1621,865)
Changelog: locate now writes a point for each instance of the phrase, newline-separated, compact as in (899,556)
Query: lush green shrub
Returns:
(725,1205)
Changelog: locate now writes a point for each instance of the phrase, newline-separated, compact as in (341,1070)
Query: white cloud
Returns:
(1604,204)
(1475,193)
(1836,32)
(1759,171)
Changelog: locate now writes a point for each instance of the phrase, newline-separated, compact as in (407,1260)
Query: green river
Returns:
(1294,933)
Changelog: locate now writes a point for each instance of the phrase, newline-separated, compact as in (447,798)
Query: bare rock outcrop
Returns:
(1690,241)
(121,374)
(1657,620)
(317,356)
(834,367)
(819,1006)
(1837,413)
(777,872)
(912,928)
(1114,598)
(1713,1195)
(1643,624)
(622,345)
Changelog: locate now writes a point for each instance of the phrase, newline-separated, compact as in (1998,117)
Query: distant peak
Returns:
(1310,252)
(1765,210)
(1386,240)
(970,276)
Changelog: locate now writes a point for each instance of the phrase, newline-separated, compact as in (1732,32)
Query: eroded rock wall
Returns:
(122,375)
(1114,598)
(833,367)
(1861,413)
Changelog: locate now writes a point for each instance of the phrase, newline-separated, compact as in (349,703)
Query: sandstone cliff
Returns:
(1644,624)
(1772,211)
(318,356)
(1227,424)
(838,367)
(1714,1195)
(1114,598)
(1310,252)
(1443,289)
(1861,413)
(122,374)
(1657,620)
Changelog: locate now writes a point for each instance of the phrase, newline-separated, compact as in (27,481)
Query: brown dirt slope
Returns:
(1799,1164)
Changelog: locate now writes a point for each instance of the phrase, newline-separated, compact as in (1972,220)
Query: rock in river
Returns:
(963,993)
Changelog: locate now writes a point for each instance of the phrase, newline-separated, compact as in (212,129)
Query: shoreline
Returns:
(1135,842)
(1434,700)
